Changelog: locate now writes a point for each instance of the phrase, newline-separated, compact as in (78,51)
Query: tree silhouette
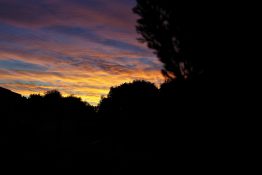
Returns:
(130,99)
(171,29)
(53,94)
(129,115)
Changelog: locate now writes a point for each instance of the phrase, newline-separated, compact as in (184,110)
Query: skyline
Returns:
(80,47)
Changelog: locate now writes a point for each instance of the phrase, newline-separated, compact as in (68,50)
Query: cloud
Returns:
(20,65)
(93,36)
(80,47)
(48,12)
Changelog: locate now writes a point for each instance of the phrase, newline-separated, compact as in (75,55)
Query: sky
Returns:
(79,47)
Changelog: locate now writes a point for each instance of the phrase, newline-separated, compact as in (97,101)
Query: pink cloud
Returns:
(74,64)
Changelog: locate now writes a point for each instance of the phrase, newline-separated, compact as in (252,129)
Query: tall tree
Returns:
(171,28)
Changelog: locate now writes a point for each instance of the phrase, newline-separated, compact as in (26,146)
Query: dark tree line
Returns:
(46,131)
(66,133)
(134,127)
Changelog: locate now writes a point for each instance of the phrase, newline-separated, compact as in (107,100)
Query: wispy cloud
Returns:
(80,47)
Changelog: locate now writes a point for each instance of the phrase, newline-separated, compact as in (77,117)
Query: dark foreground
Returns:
(137,129)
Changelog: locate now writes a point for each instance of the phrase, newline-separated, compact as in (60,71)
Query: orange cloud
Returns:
(77,47)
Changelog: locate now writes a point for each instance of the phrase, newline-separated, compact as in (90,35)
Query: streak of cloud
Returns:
(80,47)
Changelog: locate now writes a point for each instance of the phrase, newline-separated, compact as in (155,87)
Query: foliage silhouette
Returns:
(129,99)
(52,130)
(47,131)
(135,122)
(129,115)
(185,39)
(174,31)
